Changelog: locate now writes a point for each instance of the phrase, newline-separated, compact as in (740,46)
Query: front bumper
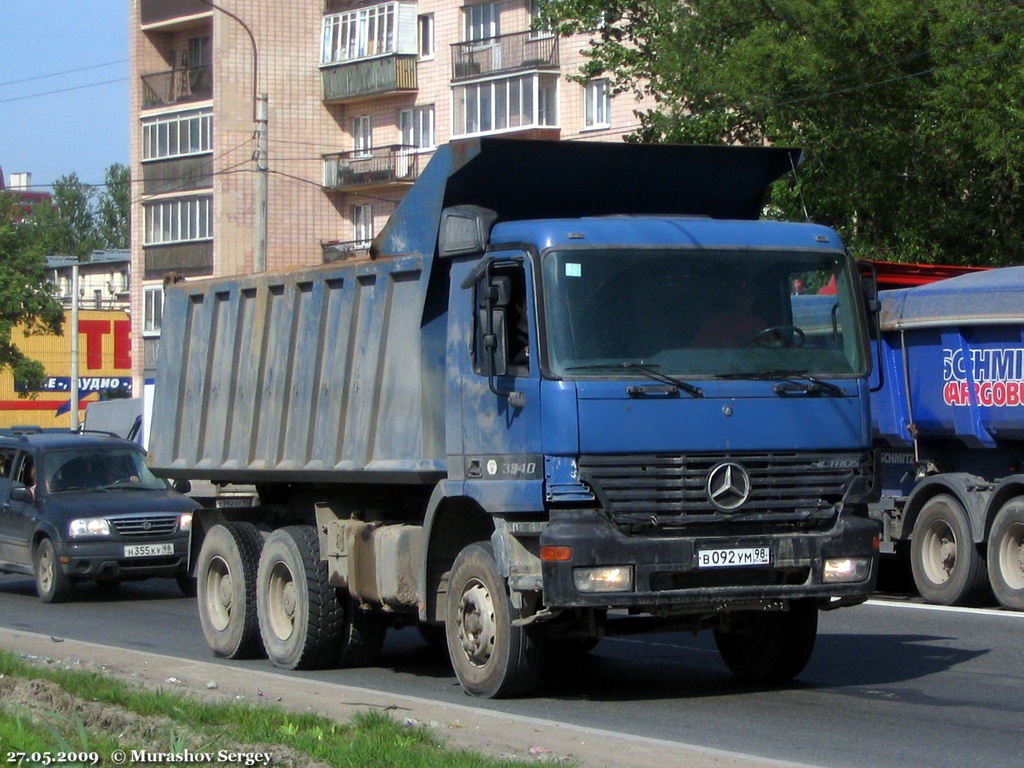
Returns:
(668,580)
(106,560)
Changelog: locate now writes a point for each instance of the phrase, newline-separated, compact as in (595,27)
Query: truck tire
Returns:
(302,621)
(948,569)
(491,657)
(364,634)
(770,648)
(52,584)
(1006,555)
(226,590)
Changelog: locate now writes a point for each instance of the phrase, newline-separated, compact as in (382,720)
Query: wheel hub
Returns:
(476,624)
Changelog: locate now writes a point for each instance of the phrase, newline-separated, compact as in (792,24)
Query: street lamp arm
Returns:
(255,50)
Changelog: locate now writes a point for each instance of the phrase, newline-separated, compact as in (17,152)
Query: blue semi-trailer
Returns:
(949,424)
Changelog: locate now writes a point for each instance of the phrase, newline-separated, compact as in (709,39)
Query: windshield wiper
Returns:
(806,384)
(650,371)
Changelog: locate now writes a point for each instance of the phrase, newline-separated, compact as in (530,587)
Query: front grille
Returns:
(671,489)
(148,525)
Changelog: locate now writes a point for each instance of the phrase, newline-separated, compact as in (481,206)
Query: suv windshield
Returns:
(81,469)
(702,313)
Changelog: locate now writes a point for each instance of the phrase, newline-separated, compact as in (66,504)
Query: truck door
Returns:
(501,381)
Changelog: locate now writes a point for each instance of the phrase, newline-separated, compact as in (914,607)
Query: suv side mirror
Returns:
(182,486)
(22,493)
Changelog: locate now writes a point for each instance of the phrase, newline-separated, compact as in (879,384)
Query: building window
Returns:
(362,136)
(178,135)
(376,30)
(178,220)
(482,21)
(417,127)
(505,105)
(153,309)
(362,225)
(536,30)
(425,35)
(598,104)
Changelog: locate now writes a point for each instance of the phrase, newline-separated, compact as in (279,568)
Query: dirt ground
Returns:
(462,726)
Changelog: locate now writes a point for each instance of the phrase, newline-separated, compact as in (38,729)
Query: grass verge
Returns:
(53,711)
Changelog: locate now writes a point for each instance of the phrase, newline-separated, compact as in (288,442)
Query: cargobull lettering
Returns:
(989,377)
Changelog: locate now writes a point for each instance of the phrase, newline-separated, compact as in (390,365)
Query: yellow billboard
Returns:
(104,367)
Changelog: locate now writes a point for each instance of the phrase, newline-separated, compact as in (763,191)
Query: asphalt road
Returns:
(891,684)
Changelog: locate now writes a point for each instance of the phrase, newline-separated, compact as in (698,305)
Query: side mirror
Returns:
(182,486)
(22,493)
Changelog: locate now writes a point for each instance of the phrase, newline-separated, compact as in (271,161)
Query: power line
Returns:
(63,90)
(64,72)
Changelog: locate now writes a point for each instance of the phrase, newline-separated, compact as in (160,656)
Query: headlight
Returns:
(185,521)
(847,570)
(89,526)
(610,578)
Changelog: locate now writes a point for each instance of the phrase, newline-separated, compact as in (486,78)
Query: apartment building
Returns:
(352,98)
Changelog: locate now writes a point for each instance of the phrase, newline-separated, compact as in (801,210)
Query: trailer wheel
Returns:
(770,647)
(491,657)
(301,618)
(52,584)
(1006,555)
(948,569)
(226,590)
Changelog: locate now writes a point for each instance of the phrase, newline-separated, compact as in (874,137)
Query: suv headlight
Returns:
(89,526)
(185,521)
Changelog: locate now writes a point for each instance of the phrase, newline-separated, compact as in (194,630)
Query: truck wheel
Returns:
(52,584)
(364,635)
(948,569)
(491,657)
(226,590)
(1006,555)
(302,621)
(770,647)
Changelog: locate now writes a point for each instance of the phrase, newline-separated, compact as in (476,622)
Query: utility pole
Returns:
(259,258)
(259,116)
(74,346)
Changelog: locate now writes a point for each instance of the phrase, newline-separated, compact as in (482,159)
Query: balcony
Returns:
(377,167)
(178,86)
(335,250)
(362,78)
(163,11)
(520,51)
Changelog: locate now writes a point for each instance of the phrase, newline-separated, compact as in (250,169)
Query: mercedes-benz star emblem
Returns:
(728,486)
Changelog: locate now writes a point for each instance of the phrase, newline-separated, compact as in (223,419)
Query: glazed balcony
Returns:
(378,167)
(518,52)
(178,86)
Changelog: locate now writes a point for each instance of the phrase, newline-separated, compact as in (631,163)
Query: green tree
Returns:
(113,219)
(910,115)
(26,298)
(65,225)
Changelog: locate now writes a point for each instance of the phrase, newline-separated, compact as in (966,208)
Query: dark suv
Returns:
(84,506)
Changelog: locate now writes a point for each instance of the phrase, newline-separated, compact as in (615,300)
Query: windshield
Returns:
(701,312)
(78,470)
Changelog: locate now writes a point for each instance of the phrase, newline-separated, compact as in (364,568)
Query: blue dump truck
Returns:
(578,390)
(949,421)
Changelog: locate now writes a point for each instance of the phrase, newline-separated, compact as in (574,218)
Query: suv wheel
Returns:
(52,584)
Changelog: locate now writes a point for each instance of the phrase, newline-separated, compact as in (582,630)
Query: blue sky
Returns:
(77,47)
